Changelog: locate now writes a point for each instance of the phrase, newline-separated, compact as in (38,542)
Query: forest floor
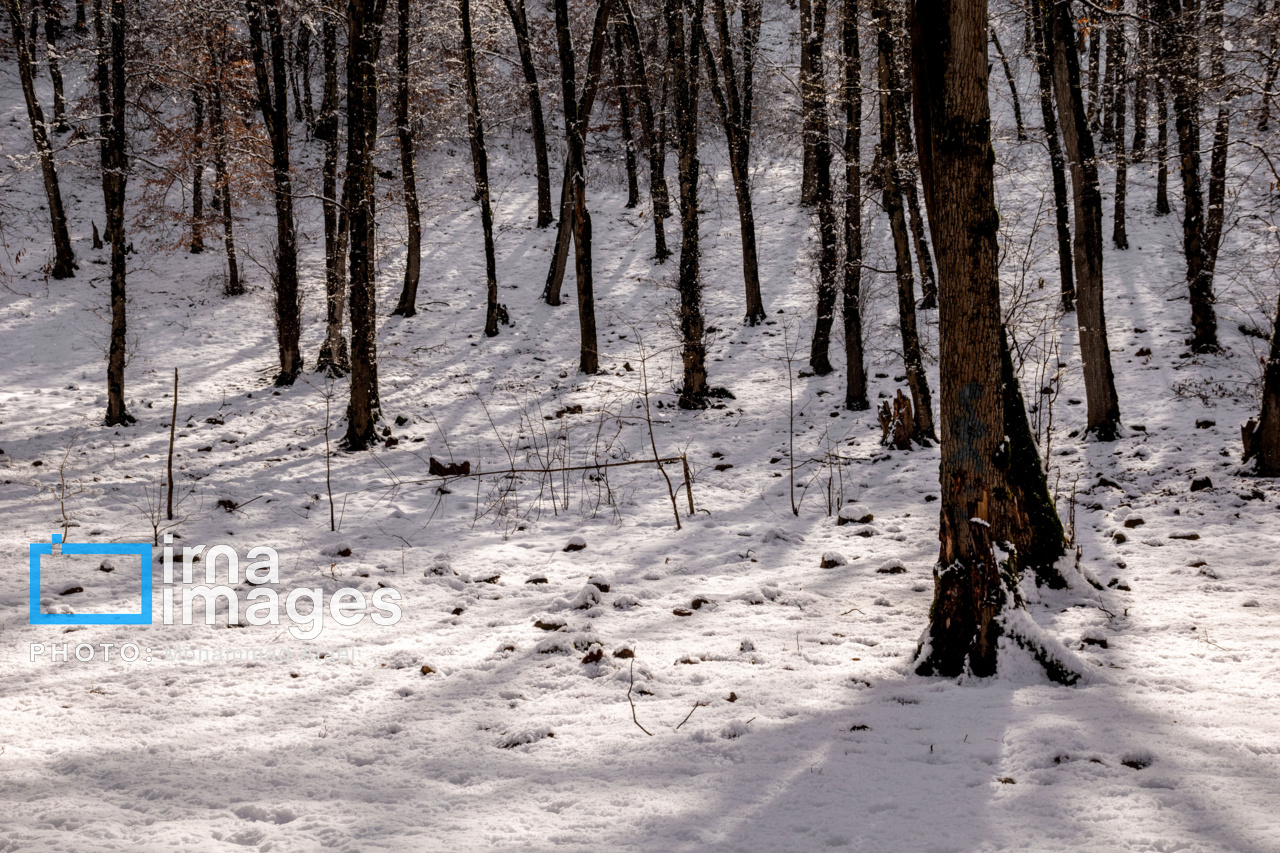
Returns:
(781,710)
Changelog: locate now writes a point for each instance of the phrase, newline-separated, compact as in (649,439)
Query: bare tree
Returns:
(480,165)
(855,395)
(267,48)
(407,306)
(520,23)
(1057,163)
(364,38)
(649,125)
(64,263)
(1116,53)
(333,358)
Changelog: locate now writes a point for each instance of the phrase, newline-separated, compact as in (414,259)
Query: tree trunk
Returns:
(82,24)
(1262,440)
(333,358)
(407,306)
(1100,389)
(520,22)
(1057,162)
(577,114)
(1180,54)
(304,74)
(1109,82)
(624,118)
(480,165)
(1141,63)
(658,193)
(682,53)
(115,173)
(1273,69)
(53,32)
(197,172)
(1095,74)
(949,48)
(1120,88)
(1162,149)
(64,263)
(1013,87)
(272,79)
(364,21)
(729,98)
(855,394)
(828,252)
(222,186)
(1218,161)
(891,181)
(812,86)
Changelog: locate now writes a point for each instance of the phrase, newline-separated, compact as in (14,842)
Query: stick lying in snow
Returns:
(632,701)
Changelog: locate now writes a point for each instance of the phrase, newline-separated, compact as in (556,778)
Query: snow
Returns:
(496,714)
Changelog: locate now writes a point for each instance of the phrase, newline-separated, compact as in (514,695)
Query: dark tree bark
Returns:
(1100,388)
(684,28)
(115,173)
(53,32)
(303,58)
(81,25)
(480,165)
(1218,161)
(734,103)
(197,172)
(1262,439)
(659,196)
(1162,149)
(1117,54)
(813,93)
(364,38)
(520,23)
(1109,82)
(1095,74)
(855,394)
(1139,68)
(407,306)
(222,181)
(817,125)
(267,48)
(1180,45)
(64,263)
(891,182)
(1057,162)
(624,117)
(1013,87)
(333,358)
(574,203)
(949,49)
(1273,70)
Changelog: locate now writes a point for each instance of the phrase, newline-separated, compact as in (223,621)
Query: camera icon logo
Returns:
(141,550)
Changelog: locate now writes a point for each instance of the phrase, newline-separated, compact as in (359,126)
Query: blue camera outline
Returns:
(140,549)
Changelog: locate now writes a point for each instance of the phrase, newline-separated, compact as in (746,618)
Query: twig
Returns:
(696,706)
(173,425)
(632,701)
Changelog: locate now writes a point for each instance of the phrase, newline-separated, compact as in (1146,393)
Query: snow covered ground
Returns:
(780,707)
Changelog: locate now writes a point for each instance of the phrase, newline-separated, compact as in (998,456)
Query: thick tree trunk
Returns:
(891,180)
(1218,161)
(1013,87)
(304,74)
(1057,163)
(197,172)
(730,98)
(1180,55)
(115,173)
(1273,69)
(407,306)
(1141,64)
(817,125)
(333,358)
(364,22)
(577,114)
(1095,74)
(1262,439)
(624,118)
(1109,82)
(520,23)
(267,48)
(64,262)
(480,165)
(855,393)
(683,47)
(812,92)
(949,47)
(1100,389)
(658,193)
(1116,53)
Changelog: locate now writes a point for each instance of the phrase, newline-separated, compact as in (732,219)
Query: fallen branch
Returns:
(696,706)
(632,701)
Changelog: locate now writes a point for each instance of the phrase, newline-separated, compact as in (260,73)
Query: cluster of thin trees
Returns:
(237,90)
